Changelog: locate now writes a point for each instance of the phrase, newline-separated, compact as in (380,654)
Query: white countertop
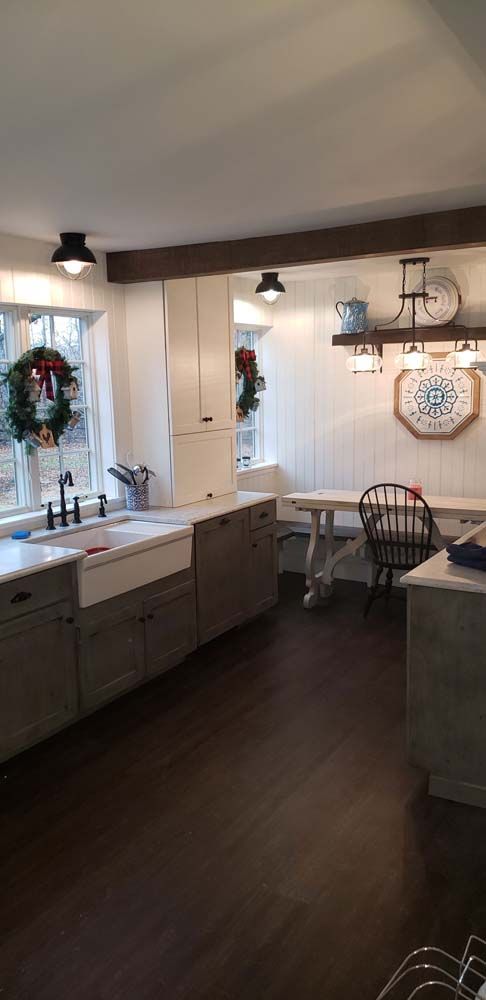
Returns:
(439,572)
(17,558)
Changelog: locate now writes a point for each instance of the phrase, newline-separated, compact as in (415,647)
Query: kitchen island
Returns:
(446,663)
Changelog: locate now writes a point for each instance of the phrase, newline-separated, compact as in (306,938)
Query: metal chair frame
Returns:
(394,546)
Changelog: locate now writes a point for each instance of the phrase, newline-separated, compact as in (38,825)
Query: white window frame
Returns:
(26,466)
(258,421)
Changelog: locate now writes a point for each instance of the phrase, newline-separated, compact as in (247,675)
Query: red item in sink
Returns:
(97,548)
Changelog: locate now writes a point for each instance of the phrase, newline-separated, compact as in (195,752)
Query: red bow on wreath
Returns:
(44,371)
(245,358)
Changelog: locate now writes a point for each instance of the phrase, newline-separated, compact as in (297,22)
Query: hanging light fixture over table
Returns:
(364,359)
(270,288)
(73,258)
(466,356)
(413,357)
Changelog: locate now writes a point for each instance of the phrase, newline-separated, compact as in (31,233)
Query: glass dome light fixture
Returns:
(415,359)
(466,356)
(73,258)
(270,288)
(364,360)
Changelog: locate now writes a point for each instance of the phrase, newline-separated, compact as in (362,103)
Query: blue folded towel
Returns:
(469,554)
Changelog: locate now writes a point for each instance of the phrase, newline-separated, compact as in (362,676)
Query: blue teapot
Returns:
(353,317)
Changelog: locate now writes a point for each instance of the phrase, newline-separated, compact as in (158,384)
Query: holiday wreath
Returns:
(25,379)
(247,369)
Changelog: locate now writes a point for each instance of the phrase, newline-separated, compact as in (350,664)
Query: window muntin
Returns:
(248,431)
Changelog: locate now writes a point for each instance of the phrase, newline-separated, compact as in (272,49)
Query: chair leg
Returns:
(373,592)
(388,585)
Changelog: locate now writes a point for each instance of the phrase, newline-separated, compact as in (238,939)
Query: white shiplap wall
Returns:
(28,278)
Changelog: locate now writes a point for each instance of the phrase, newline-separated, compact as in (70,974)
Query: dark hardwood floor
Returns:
(245,827)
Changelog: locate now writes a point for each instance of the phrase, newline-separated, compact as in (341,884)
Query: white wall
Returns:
(28,278)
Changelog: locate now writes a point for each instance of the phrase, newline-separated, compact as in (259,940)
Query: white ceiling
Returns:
(155,122)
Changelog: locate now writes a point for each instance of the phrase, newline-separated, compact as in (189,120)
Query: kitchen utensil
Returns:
(127,470)
(119,475)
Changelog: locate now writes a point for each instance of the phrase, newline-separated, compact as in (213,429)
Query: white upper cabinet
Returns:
(200,354)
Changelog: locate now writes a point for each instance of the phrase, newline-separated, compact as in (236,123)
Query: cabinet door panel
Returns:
(38,691)
(216,355)
(112,655)
(170,631)
(222,552)
(183,356)
(263,569)
(203,465)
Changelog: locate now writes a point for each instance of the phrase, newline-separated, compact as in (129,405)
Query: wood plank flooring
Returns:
(245,827)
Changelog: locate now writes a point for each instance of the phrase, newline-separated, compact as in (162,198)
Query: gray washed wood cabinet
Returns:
(38,659)
(236,568)
(59,662)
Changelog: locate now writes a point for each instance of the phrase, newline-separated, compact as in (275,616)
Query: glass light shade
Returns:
(466,356)
(364,361)
(74,269)
(413,360)
(271,296)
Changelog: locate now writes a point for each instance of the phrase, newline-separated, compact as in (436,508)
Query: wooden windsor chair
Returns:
(398,524)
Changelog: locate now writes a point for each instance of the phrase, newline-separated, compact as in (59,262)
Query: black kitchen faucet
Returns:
(64,480)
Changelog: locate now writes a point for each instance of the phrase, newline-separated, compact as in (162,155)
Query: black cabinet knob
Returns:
(141,620)
(263,514)
(69,621)
(209,496)
(150,617)
(225,520)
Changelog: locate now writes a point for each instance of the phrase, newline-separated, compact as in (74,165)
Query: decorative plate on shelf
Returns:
(438,402)
(444,299)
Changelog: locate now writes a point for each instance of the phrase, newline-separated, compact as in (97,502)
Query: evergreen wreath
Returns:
(247,369)
(21,414)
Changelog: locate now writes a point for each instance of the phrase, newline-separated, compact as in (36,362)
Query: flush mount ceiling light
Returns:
(72,258)
(415,358)
(364,360)
(466,356)
(270,288)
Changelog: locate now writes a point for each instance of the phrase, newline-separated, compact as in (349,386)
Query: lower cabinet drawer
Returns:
(20,597)
(170,627)
(262,514)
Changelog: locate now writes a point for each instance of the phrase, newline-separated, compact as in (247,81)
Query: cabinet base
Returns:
(457,791)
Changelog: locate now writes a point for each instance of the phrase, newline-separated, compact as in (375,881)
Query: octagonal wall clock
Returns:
(437,403)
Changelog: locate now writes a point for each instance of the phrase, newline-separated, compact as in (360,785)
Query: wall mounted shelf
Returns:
(429,334)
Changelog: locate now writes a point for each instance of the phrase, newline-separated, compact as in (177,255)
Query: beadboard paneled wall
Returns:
(28,278)
(337,430)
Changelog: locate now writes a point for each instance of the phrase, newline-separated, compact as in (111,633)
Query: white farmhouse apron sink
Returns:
(136,553)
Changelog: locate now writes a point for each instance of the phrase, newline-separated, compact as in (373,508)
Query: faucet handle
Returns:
(76,512)
(103,500)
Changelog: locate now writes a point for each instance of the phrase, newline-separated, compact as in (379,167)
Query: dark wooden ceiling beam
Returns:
(463,227)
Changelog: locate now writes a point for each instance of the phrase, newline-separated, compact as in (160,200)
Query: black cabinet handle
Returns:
(141,620)
(204,420)
(263,514)
(209,496)
(210,420)
(225,520)
(69,621)
(254,545)
(23,595)
(150,616)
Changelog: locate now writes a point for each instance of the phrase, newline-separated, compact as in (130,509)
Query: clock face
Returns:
(443,301)
(438,402)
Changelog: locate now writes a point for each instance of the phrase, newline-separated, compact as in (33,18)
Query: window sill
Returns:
(257,469)
(37,518)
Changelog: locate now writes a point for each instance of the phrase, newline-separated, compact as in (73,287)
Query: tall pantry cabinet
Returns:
(181,371)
